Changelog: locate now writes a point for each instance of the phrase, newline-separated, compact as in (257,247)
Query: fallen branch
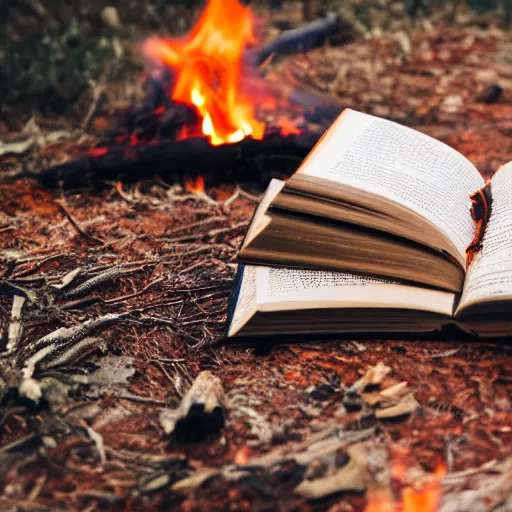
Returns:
(14,331)
(89,301)
(94,282)
(302,39)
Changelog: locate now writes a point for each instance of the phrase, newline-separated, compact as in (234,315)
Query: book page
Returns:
(403,165)
(282,288)
(489,276)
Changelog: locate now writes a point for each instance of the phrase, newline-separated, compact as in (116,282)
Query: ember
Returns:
(423,498)
(195,185)
(427,497)
(208,67)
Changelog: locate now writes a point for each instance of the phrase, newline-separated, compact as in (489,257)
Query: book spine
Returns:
(234,296)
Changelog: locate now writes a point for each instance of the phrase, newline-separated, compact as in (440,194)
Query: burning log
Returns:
(178,159)
(196,117)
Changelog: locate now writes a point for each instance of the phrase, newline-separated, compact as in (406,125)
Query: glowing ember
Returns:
(381,500)
(208,65)
(195,185)
(287,127)
(425,498)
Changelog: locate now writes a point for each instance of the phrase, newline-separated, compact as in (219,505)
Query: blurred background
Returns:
(415,61)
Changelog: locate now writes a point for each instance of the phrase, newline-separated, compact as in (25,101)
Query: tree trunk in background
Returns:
(309,10)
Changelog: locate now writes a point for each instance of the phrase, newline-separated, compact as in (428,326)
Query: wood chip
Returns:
(201,411)
(407,405)
(352,476)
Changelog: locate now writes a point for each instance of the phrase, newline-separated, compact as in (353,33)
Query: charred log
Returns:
(304,38)
(186,158)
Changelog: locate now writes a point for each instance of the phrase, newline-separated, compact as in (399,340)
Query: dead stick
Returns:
(197,224)
(80,231)
(41,261)
(135,294)
(89,301)
(164,371)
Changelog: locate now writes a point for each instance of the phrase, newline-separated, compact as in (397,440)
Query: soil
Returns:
(167,256)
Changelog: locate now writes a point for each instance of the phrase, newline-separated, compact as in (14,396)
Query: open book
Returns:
(375,232)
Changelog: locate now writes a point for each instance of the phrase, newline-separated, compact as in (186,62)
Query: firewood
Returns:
(300,39)
(178,158)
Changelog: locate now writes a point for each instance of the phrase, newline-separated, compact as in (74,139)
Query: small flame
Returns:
(380,500)
(426,498)
(195,185)
(208,66)
(288,127)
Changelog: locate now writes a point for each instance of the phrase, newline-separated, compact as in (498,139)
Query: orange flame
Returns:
(426,498)
(196,186)
(208,66)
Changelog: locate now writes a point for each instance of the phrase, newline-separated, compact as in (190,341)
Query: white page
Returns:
(489,276)
(403,165)
(312,289)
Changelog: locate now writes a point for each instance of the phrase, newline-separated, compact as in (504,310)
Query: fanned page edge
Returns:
(260,220)
(466,303)
(372,293)
(369,292)
(357,123)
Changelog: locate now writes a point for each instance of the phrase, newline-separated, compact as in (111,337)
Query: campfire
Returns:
(205,103)
(207,66)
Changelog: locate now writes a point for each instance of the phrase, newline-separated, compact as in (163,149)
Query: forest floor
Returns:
(153,264)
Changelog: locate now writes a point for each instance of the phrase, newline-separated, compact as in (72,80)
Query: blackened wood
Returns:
(301,39)
(179,158)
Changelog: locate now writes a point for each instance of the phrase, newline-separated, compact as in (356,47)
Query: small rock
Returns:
(111,17)
(30,388)
(49,442)
(200,413)
(452,104)
(404,41)
(491,94)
